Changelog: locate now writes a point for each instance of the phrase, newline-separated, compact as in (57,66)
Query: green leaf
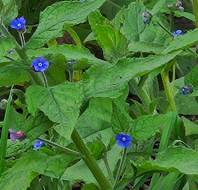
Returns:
(12,73)
(147,126)
(133,24)
(68,51)
(113,43)
(111,80)
(50,102)
(31,165)
(191,77)
(191,128)
(5,13)
(54,17)
(97,117)
(184,41)
(179,159)
(6,46)
(90,187)
(158,6)
(187,15)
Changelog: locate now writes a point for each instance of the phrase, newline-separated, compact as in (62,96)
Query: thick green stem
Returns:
(195,10)
(4,134)
(168,90)
(90,161)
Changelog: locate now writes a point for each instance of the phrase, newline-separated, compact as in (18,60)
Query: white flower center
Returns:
(40,64)
(123,138)
(19,24)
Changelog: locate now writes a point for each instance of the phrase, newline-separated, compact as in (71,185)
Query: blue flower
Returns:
(177,33)
(123,140)
(146,17)
(185,90)
(18,23)
(40,64)
(38,144)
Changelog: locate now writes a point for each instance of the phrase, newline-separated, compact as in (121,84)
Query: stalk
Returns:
(168,90)
(4,134)
(90,161)
(195,10)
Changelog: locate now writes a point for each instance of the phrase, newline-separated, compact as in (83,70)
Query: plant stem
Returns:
(67,150)
(45,79)
(120,168)
(90,161)
(168,90)
(108,167)
(4,134)
(195,10)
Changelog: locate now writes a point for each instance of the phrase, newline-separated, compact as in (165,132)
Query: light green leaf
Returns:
(12,73)
(54,17)
(191,77)
(113,43)
(191,128)
(60,103)
(158,6)
(31,165)
(187,15)
(179,159)
(184,41)
(68,51)
(110,80)
(147,126)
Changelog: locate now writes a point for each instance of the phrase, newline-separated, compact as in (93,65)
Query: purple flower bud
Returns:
(123,140)
(16,135)
(40,64)
(18,24)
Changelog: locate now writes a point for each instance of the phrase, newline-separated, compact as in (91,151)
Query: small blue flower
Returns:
(40,64)
(18,23)
(38,144)
(185,90)
(177,33)
(123,140)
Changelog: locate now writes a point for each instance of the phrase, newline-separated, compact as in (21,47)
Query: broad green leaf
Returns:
(90,187)
(12,73)
(113,43)
(55,16)
(184,41)
(97,117)
(133,24)
(147,126)
(110,80)
(120,116)
(191,128)
(157,7)
(60,103)
(68,51)
(31,165)
(191,77)
(187,15)
(6,49)
(179,159)
(5,7)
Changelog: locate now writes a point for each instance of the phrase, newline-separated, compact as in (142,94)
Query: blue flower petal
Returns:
(40,64)
(123,140)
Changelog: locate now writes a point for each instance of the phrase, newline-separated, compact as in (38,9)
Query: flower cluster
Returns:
(123,140)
